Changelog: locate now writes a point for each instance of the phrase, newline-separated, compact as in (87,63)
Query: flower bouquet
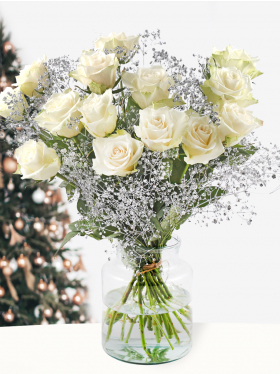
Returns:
(142,149)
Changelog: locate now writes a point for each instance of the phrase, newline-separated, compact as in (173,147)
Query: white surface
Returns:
(76,349)
(236,268)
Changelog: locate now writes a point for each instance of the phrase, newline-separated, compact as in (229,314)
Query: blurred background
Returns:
(236,266)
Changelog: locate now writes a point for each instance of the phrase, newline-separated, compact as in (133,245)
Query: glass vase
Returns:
(147,318)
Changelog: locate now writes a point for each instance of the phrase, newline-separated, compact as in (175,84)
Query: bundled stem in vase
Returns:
(153,295)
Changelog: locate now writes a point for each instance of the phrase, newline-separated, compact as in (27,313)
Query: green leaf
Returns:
(68,237)
(156,222)
(117,82)
(118,90)
(132,103)
(182,220)
(63,184)
(81,206)
(158,209)
(178,170)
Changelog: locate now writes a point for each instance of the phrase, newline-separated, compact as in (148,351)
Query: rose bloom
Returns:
(236,123)
(201,142)
(148,85)
(96,67)
(58,113)
(37,161)
(161,129)
(230,83)
(28,78)
(235,57)
(116,155)
(99,114)
(14,98)
(231,53)
(115,40)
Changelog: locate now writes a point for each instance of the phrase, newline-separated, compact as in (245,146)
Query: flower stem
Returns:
(157,322)
(156,330)
(112,319)
(173,328)
(167,325)
(185,313)
(123,326)
(132,323)
(149,323)
(182,323)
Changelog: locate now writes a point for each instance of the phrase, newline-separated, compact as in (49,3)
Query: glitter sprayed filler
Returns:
(142,144)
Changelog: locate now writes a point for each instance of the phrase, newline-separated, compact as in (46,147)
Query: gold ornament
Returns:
(42,286)
(51,286)
(38,225)
(9,165)
(79,265)
(7,270)
(53,226)
(47,200)
(77,298)
(7,47)
(39,260)
(10,185)
(67,264)
(2,292)
(22,261)
(9,316)
(4,262)
(64,297)
(48,312)
(15,236)
(58,314)
(19,224)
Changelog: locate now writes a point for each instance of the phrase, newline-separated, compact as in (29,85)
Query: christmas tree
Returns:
(10,63)
(38,285)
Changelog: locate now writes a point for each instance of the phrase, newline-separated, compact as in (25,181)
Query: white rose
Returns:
(231,53)
(235,57)
(29,77)
(12,103)
(236,123)
(115,40)
(228,84)
(148,85)
(201,141)
(99,114)
(116,155)
(59,114)
(96,70)
(37,161)
(161,129)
